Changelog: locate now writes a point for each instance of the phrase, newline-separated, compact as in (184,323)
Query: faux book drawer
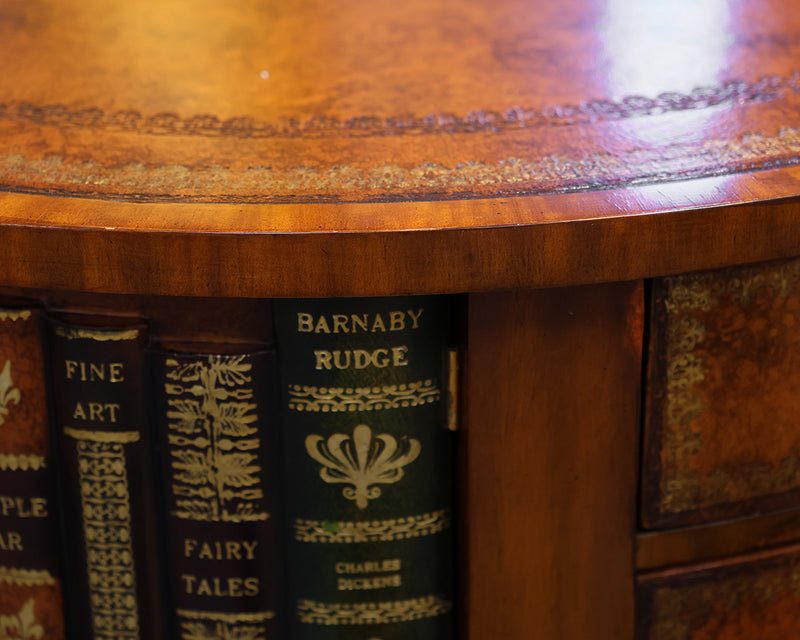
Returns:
(722,406)
(754,597)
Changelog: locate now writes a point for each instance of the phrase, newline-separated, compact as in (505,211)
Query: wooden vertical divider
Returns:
(549,463)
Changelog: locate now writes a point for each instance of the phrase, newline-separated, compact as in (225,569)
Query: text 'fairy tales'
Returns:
(226,551)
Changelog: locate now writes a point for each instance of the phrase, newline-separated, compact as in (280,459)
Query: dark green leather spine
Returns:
(368,467)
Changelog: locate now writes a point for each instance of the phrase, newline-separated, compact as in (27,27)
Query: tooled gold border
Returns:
(231,618)
(20,462)
(329,614)
(25,577)
(683,489)
(464,179)
(335,399)
(108,540)
(373,530)
(15,314)
(100,335)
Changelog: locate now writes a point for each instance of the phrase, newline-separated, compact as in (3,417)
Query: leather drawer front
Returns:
(722,404)
(753,598)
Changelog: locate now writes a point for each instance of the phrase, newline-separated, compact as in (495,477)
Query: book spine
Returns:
(30,588)
(218,452)
(368,467)
(98,379)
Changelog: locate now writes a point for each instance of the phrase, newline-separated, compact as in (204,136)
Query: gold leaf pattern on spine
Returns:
(105,502)
(22,625)
(14,314)
(213,440)
(26,577)
(117,437)
(222,616)
(9,394)
(372,530)
(12,462)
(362,460)
(335,399)
(217,625)
(313,612)
(100,335)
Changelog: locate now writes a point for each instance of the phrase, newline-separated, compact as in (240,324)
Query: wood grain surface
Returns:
(548,489)
(486,145)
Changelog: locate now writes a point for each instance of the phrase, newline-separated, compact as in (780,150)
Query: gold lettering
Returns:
(221,587)
(337,360)
(340,324)
(94,371)
(78,413)
(220,550)
(252,587)
(380,358)
(71,366)
(10,541)
(373,323)
(188,582)
(359,322)
(415,318)
(399,356)
(322,326)
(234,587)
(305,322)
(397,321)
(377,324)
(21,507)
(360,359)
(371,582)
(115,372)
(250,548)
(374,566)
(323,360)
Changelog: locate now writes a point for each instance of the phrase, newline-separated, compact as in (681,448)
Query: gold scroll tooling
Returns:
(99,335)
(14,314)
(326,613)
(335,399)
(25,577)
(107,531)
(218,625)
(213,440)
(372,530)
(362,460)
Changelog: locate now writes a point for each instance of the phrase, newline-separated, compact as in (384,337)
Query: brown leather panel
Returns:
(722,404)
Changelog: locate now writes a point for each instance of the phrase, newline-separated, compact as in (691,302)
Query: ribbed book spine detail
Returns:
(214,415)
(368,467)
(30,586)
(98,384)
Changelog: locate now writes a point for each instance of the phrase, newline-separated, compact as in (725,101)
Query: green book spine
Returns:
(368,467)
